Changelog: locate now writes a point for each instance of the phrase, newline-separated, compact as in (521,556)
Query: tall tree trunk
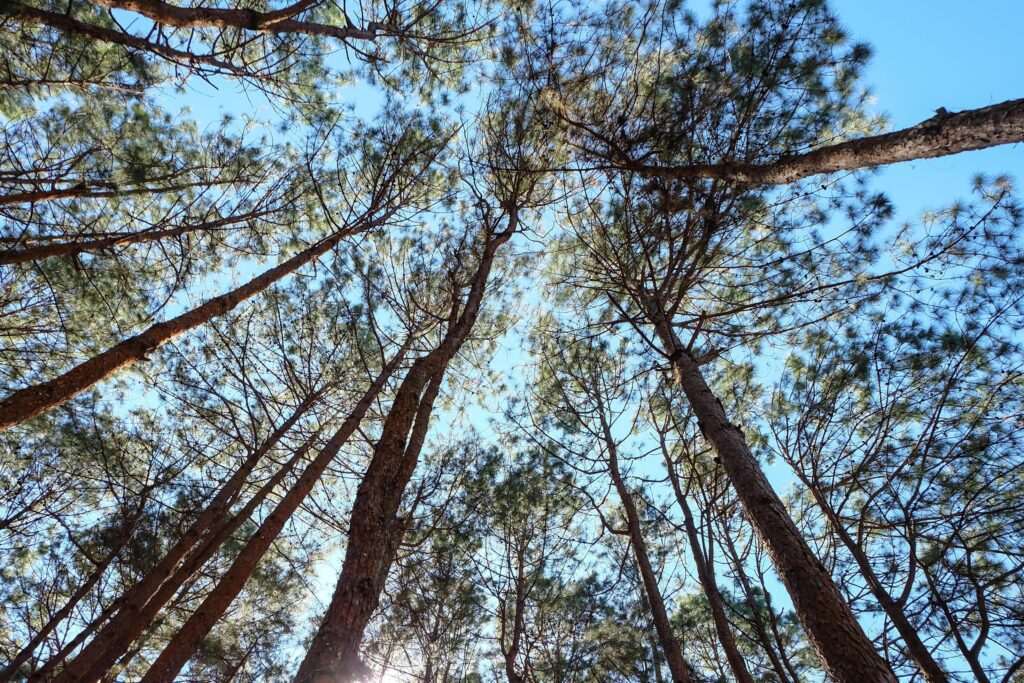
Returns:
(511,653)
(185,642)
(37,252)
(930,669)
(942,135)
(706,576)
(31,401)
(375,530)
(80,592)
(845,650)
(677,665)
(772,644)
(137,608)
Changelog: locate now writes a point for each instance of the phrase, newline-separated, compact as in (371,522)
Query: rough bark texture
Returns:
(376,529)
(845,650)
(279,21)
(83,590)
(73,248)
(190,635)
(944,134)
(706,576)
(31,401)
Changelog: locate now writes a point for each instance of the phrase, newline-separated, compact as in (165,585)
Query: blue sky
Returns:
(940,53)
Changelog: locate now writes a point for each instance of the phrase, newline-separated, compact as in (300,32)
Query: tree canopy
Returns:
(451,341)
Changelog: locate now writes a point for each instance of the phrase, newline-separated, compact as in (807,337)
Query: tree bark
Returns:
(706,576)
(42,251)
(375,529)
(942,135)
(185,642)
(137,608)
(677,665)
(35,400)
(80,592)
(845,650)
(279,21)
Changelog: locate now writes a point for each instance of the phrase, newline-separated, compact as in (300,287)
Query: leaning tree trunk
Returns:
(942,135)
(845,650)
(375,529)
(186,641)
(706,576)
(375,533)
(677,665)
(136,609)
(35,400)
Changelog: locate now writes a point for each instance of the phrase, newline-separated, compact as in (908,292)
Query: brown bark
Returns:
(181,648)
(94,192)
(942,135)
(706,576)
(80,592)
(35,400)
(68,24)
(279,21)
(73,248)
(670,646)
(375,529)
(845,650)
(137,608)
(930,669)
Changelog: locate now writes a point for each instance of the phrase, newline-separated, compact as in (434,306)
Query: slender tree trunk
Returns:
(511,654)
(930,669)
(376,530)
(677,665)
(31,401)
(706,576)
(944,134)
(845,650)
(185,642)
(41,251)
(80,592)
(772,645)
(137,608)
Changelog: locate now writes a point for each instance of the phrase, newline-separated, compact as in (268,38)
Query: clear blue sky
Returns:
(955,54)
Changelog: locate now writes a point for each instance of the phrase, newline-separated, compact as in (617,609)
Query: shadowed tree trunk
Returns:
(376,529)
(706,576)
(844,648)
(236,576)
(670,646)
(35,400)
(185,642)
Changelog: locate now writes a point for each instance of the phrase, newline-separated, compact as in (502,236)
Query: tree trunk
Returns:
(31,401)
(137,608)
(677,665)
(930,669)
(706,576)
(845,650)
(375,533)
(83,589)
(375,530)
(190,635)
(942,135)
(73,248)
